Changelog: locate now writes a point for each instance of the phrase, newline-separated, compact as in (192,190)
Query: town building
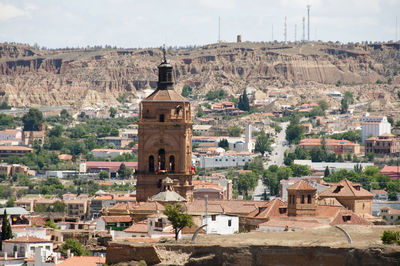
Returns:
(111,167)
(301,199)
(221,224)
(379,194)
(389,215)
(321,166)
(165,139)
(373,126)
(109,153)
(30,137)
(118,142)
(12,169)
(76,208)
(350,195)
(25,246)
(338,147)
(392,171)
(7,151)
(10,137)
(385,144)
(118,223)
(201,130)
(223,161)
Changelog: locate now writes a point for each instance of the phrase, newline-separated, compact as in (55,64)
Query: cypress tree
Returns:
(244,104)
(327,172)
(6,232)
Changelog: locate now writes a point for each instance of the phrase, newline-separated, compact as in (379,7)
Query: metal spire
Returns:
(164,54)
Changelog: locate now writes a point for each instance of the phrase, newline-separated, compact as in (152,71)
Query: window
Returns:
(213,217)
(151,163)
(161,117)
(161,159)
(172,163)
(302,199)
(309,199)
(229,223)
(346,218)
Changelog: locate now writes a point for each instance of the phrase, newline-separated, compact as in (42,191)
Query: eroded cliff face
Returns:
(84,77)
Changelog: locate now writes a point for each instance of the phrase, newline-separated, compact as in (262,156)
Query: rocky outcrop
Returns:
(175,254)
(79,77)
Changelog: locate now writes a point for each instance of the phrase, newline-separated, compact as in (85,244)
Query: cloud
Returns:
(8,11)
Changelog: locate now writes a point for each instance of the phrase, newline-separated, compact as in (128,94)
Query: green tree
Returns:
(64,114)
(223,143)
(113,112)
(392,196)
(300,170)
(294,132)
(6,231)
(326,172)
(234,131)
(247,182)
(371,156)
(4,106)
(124,172)
(398,95)
(56,131)
(344,106)
(58,206)
(323,105)
(6,120)
(51,224)
(262,144)
(243,103)
(32,120)
(200,112)
(178,218)
(390,120)
(75,247)
(317,111)
(186,91)
(104,175)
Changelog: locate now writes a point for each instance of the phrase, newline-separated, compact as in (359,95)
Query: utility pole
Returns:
(285,30)
(308,22)
(304,29)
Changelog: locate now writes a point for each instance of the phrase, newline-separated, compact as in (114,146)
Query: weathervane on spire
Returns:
(164,54)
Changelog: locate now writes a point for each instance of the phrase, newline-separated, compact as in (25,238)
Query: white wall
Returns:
(100,224)
(33,231)
(221,224)
(223,161)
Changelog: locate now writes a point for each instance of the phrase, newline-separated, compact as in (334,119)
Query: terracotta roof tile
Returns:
(301,185)
(116,219)
(139,227)
(28,239)
(270,209)
(349,217)
(345,188)
(83,261)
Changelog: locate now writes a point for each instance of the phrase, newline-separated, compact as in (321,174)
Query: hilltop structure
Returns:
(165,139)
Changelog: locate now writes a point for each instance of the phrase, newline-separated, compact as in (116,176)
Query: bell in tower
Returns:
(165,139)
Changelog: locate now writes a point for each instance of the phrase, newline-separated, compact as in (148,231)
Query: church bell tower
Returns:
(165,139)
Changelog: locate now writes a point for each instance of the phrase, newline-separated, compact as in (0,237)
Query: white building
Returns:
(109,153)
(373,126)
(26,246)
(221,224)
(10,137)
(223,161)
(201,130)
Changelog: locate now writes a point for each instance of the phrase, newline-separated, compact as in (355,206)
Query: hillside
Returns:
(79,77)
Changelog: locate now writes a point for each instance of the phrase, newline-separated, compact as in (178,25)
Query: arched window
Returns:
(161,159)
(302,199)
(151,163)
(172,163)
(309,199)
(161,117)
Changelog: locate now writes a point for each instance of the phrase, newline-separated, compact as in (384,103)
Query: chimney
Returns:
(68,253)
(5,255)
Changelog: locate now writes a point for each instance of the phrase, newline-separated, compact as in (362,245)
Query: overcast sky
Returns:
(150,23)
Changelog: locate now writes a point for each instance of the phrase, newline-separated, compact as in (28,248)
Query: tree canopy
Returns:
(178,218)
(32,120)
(243,103)
(262,144)
(6,231)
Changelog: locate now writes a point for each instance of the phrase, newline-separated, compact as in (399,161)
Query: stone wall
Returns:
(179,254)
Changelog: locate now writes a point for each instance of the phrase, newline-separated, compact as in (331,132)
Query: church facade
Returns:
(165,139)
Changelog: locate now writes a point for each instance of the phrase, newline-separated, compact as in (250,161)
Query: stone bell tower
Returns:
(165,139)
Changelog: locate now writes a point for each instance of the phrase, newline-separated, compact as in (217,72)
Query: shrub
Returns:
(390,237)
